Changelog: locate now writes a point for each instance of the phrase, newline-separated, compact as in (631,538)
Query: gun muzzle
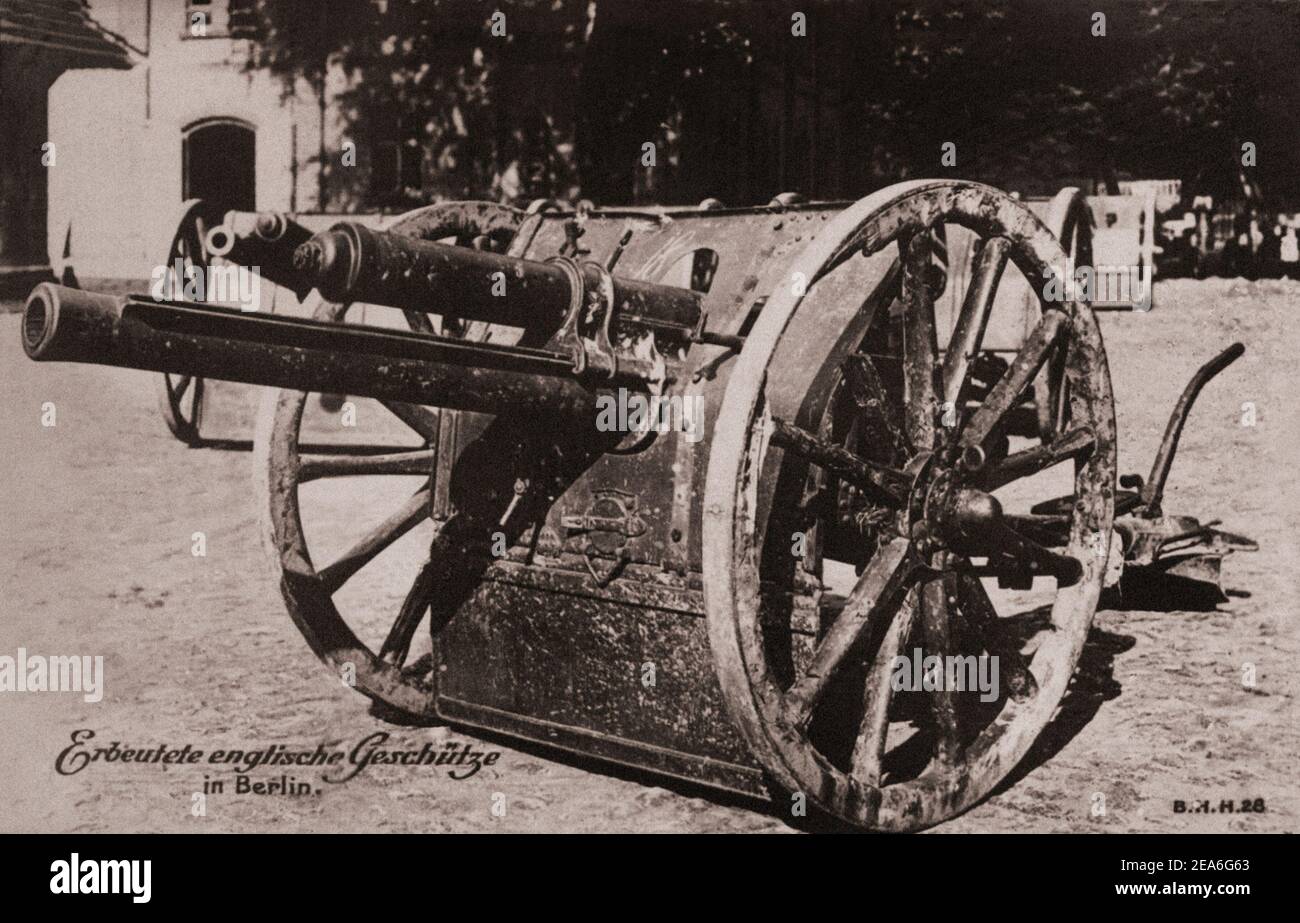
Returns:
(69,325)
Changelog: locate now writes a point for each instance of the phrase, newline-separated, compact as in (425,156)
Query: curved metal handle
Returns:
(1154,489)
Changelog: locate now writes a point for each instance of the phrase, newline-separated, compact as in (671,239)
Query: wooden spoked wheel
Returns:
(1069,219)
(830,431)
(1067,216)
(285,464)
(180,397)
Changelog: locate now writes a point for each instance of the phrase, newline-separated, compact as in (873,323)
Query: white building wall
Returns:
(117,181)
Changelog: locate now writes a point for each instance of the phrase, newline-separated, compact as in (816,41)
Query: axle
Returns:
(69,325)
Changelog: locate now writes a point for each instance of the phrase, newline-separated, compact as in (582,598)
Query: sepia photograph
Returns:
(650,416)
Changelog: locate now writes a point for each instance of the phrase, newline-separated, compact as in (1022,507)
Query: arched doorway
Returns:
(218,158)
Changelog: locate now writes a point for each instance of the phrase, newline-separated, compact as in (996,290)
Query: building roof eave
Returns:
(63,27)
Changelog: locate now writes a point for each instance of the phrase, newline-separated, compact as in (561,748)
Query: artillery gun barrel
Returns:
(264,241)
(70,325)
(350,262)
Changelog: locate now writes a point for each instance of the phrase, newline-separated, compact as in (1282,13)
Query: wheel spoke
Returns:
(1004,395)
(919,347)
(414,606)
(312,467)
(886,576)
(196,401)
(979,612)
(193,244)
(194,255)
(968,335)
(938,643)
(424,420)
(408,516)
(867,392)
(1074,444)
(869,748)
(885,483)
(1051,402)
(176,395)
(939,244)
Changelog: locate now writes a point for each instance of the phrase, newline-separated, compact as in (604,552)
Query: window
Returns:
(218,158)
(220,19)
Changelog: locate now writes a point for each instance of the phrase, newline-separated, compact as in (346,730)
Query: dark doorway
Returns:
(218,166)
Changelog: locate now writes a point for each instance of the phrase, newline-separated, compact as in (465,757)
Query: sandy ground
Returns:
(96,519)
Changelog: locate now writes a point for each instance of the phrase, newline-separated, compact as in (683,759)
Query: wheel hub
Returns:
(943,512)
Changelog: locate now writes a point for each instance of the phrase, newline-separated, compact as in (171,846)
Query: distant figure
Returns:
(1270,253)
(1290,255)
(1230,258)
(1240,262)
(1190,251)
(1253,239)
(1245,258)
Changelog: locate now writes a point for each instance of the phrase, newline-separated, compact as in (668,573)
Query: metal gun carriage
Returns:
(727,610)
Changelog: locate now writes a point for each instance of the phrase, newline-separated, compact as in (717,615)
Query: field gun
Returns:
(722,600)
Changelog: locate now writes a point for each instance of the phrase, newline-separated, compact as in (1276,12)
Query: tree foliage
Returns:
(734,102)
